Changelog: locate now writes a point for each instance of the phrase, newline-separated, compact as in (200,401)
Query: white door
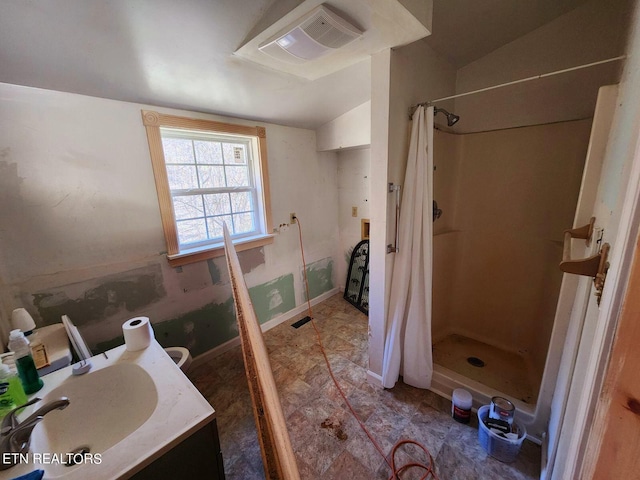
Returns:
(577,302)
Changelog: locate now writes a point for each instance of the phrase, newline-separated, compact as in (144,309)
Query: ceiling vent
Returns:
(317,33)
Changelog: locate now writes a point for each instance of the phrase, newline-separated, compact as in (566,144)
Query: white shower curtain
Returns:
(407,349)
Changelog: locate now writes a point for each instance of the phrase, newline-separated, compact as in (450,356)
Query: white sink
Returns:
(105,407)
(129,409)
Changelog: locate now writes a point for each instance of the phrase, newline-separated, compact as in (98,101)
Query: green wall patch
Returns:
(320,276)
(273,298)
(130,291)
(199,330)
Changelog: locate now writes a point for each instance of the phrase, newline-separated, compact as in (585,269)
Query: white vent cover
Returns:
(317,33)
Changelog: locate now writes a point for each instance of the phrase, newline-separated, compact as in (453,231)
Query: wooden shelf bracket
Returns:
(595,266)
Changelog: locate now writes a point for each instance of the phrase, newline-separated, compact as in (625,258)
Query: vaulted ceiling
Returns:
(180,54)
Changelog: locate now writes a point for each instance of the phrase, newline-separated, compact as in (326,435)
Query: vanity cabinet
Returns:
(197,456)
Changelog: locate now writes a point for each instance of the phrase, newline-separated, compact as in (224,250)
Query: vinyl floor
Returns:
(328,442)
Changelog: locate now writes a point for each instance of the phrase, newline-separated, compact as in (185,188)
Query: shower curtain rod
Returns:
(536,77)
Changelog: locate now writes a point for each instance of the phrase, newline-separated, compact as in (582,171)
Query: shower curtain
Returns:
(407,349)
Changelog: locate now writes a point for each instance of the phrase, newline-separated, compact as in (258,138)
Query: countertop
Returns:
(180,411)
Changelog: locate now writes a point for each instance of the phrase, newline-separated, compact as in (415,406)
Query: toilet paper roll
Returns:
(137,333)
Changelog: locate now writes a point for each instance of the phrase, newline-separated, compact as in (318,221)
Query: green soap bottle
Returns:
(10,377)
(27,371)
(6,402)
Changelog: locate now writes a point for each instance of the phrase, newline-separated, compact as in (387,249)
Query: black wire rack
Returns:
(356,291)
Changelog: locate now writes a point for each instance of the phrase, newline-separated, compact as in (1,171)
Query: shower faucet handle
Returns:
(437,212)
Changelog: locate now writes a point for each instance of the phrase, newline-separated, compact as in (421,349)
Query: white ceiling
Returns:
(384,24)
(466,30)
(179,54)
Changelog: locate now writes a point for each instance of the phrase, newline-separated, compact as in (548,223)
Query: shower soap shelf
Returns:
(595,266)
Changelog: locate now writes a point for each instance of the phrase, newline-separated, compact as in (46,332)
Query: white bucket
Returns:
(501,448)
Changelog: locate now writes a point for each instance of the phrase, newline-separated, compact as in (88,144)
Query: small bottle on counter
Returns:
(6,402)
(11,392)
(12,380)
(27,371)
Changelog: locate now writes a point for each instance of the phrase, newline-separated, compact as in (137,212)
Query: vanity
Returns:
(133,415)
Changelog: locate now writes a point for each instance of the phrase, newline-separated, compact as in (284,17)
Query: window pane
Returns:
(190,231)
(182,177)
(241,201)
(188,206)
(217,204)
(208,152)
(177,150)
(215,225)
(211,177)
(237,176)
(243,223)
(227,148)
(239,155)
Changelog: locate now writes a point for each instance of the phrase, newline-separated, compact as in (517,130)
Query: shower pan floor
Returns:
(504,371)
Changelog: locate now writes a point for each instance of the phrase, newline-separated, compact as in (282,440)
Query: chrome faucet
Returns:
(15,437)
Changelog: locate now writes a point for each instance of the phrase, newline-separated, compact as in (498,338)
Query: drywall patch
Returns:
(273,298)
(130,291)
(320,276)
(9,180)
(199,330)
(214,272)
(193,277)
(251,259)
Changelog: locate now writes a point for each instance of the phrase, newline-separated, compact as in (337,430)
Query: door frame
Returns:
(613,297)
(575,292)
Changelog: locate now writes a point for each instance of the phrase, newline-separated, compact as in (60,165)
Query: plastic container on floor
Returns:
(503,449)
(461,403)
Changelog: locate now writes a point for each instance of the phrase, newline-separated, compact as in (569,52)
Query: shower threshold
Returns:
(451,370)
(503,371)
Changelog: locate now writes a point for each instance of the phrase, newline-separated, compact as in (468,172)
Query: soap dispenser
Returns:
(9,378)
(27,371)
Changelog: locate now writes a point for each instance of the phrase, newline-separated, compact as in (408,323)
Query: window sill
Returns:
(217,250)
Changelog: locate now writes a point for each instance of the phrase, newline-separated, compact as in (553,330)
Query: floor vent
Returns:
(301,322)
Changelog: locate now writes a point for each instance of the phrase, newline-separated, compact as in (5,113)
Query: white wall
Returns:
(79,221)
(378,286)
(417,75)
(408,75)
(353,191)
(516,193)
(350,130)
(592,32)
(349,135)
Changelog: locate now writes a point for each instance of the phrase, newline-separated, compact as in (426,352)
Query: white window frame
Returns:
(255,137)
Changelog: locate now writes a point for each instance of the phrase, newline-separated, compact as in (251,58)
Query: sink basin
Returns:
(106,407)
(128,410)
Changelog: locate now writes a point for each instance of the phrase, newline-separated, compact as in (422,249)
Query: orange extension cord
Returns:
(429,469)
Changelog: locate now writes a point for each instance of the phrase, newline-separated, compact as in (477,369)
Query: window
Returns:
(208,173)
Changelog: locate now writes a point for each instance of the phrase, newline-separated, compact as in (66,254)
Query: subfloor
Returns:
(503,371)
(340,449)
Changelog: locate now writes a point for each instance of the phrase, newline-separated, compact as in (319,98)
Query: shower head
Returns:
(452,119)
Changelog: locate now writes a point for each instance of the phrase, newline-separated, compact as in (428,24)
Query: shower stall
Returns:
(507,196)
